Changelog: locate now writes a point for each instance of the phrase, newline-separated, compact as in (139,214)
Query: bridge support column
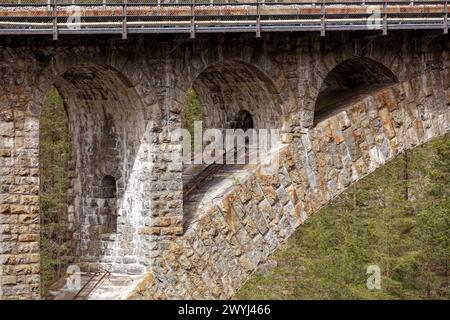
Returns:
(19,190)
(163,217)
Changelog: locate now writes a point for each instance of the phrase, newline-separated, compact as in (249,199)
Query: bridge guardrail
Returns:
(18,3)
(40,17)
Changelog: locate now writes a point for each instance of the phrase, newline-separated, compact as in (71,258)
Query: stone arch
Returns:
(322,58)
(347,81)
(228,87)
(232,95)
(107,122)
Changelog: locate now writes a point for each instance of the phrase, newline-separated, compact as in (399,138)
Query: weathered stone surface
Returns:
(291,208)
(123,97)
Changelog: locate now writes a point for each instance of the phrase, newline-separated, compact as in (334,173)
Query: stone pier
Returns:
(345,104)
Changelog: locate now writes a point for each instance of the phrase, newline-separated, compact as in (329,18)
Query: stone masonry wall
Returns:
(105,140)
(112,133)
(227,243)
(124,97)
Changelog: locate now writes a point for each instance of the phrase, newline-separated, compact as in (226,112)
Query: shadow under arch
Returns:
(349,81)
(226,88)
(106,120)
(232,95)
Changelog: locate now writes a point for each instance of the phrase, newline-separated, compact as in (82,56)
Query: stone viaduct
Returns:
(124,97)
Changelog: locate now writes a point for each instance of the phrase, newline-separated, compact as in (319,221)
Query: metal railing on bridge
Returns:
(55,17)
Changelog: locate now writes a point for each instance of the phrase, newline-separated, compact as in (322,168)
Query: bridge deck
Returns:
(55,17)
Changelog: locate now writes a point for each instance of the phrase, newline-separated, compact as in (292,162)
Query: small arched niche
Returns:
(244,120)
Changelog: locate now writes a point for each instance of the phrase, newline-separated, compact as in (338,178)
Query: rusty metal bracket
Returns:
(322,19)
(124,20)
(258,19)
(359,49)
(193,19)
(177,45)
(430,38)
(54,20)
(369,43)
(446,17)
(92,284)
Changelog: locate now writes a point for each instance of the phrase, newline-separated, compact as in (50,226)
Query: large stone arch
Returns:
(107,123)
(228,87)
(259,60)
(349,80)
(227,90)
(91,79)
(402,57)
(260,213)
(110,106)
(336,74)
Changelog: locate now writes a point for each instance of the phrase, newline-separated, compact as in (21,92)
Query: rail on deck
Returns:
(123,17)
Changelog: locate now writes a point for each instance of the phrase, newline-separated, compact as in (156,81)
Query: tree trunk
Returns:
(406,175)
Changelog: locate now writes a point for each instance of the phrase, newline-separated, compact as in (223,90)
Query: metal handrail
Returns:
(196,16)
(85,285)
(96,284)
(318,3)
(218,2)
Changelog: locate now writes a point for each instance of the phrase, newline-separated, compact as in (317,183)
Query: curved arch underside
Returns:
(349,81)
(106,125)
(232,95)
(227,88)
(259,213)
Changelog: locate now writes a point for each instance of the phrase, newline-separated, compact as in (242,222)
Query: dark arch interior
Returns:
(244,120)
(349,81)
(108,187)
(231,87)
(106,120)
(108,208)
(103,110)
(231,95)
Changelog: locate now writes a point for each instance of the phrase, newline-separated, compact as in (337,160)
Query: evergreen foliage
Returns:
(397,221)
(53,157)
(190,113)
(396,218)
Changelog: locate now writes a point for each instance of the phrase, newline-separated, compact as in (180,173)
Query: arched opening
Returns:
(231,87)
(105,123)
(349,81)
(230,95)
(244,120)
(109,188)
(54,151)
